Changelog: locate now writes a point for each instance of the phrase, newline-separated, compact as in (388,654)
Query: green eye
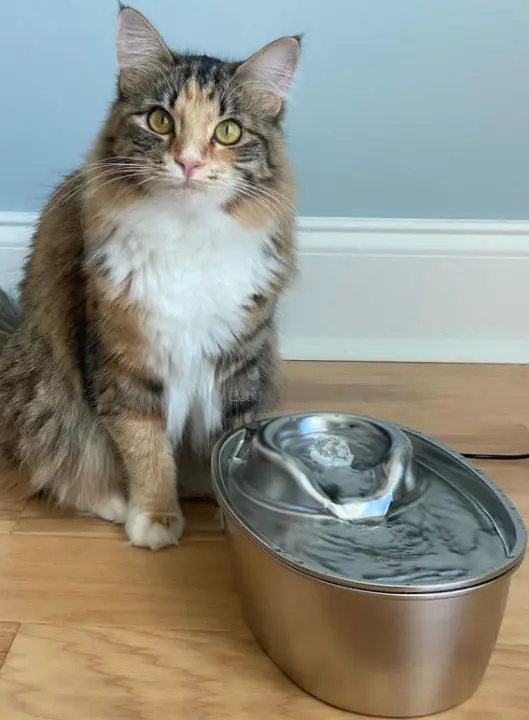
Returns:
(228,132)
(160,121)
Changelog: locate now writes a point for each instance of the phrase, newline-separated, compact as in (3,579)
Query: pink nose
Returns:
(189,165)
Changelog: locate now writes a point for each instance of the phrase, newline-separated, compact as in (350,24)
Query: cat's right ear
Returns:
(140,47)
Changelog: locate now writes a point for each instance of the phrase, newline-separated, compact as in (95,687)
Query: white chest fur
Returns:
(191,274)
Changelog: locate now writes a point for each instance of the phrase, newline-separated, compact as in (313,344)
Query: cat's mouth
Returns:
(193,186)
(187,185)
(192,183)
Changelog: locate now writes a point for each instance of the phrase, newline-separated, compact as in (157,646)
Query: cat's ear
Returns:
(139,46)
(269,73)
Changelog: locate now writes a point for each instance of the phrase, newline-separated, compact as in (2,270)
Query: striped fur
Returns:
(146,322)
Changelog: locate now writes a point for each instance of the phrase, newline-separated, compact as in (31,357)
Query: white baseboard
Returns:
(388,290)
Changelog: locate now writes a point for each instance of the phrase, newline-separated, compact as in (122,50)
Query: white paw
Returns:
(143,531)
(114,509)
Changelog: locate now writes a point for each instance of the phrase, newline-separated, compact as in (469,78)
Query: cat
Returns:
(146,317)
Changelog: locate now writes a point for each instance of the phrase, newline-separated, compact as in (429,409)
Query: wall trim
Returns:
(401,290)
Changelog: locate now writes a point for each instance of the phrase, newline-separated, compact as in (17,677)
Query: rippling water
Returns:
(441,538)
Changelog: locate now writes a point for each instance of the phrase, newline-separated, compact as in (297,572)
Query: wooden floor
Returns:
(91,629)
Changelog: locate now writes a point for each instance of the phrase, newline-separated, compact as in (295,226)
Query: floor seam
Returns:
(5,654)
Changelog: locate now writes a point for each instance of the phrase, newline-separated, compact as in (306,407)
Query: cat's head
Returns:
(193,125)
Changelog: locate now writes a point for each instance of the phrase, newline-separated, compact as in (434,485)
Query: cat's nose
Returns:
(189,165)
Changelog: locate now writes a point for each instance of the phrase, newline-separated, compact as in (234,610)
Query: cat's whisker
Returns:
(251,194)
(72,193)
(276,196)
(242,195)
(88,181)
(75,177)
(267,201)
(286,202)
(240,185)
(108,182)
(278,200)
(64,199)
(272,203)
(283,205)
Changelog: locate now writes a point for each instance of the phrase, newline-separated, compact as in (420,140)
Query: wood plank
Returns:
(6,526)
(432,398)
(106,582)
(11,503)
(133,674)
(7,635)
(488,437)
(40,518)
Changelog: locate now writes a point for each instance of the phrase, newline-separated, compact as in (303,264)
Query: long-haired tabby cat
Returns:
(147,309)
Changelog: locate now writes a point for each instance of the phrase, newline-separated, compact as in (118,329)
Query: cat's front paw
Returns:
(145,529)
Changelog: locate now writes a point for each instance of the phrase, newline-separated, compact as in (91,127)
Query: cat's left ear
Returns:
(269,73)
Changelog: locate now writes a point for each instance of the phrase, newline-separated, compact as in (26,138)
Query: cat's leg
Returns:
(56,445)
(154,518)
(74,462)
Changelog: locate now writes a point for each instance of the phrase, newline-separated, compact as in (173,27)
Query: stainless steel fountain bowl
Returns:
(373,563)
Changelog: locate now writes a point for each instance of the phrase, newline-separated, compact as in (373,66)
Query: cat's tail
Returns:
(9,316)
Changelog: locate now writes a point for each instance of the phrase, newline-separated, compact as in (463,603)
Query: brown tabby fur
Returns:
(82,412)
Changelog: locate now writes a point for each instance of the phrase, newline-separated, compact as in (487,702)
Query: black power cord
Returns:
(488,456)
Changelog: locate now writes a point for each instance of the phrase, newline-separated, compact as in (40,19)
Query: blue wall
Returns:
(402,108)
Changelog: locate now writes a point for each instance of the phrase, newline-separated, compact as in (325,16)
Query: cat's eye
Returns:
(160,121)
(228,132)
